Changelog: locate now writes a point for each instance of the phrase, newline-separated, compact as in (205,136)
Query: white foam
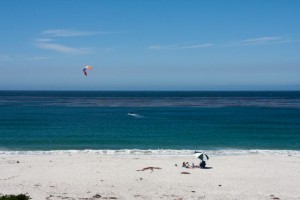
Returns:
(157,152)
(135,115)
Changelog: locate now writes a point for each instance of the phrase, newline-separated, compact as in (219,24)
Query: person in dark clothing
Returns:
(202,164)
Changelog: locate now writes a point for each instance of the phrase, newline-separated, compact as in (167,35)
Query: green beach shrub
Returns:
(15,197)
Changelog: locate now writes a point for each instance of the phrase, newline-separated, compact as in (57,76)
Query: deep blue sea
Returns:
(159,123)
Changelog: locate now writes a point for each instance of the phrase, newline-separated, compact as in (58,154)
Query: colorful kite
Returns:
(85,68)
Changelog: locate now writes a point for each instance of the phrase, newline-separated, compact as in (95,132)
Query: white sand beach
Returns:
(88,176)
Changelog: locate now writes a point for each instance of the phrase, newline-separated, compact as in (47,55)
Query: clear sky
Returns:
(150,45)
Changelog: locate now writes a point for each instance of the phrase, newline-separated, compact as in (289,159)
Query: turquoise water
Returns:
(164,120)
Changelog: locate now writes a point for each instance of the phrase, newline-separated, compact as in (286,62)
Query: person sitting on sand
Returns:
(183,164)
(202,164)
(187,165)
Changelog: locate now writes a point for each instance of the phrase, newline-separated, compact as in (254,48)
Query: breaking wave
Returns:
(159,152)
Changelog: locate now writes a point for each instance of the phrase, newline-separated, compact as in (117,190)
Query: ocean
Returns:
(34,122)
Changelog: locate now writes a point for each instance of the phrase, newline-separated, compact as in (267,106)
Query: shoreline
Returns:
(84,176)
(154,152)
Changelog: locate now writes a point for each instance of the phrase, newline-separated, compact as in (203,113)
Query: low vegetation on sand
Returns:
(15,197)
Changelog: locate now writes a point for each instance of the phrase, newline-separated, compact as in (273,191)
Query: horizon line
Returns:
(49,90)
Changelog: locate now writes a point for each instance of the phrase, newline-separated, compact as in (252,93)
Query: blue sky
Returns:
(150,45)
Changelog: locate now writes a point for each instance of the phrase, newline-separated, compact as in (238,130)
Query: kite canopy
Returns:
(85,68)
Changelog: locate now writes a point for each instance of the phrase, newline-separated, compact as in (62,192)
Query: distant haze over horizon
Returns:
(150,45)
